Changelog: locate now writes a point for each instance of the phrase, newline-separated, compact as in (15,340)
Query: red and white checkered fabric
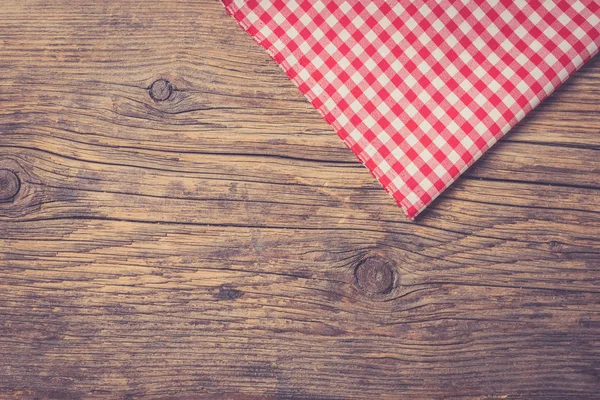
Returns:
(419,90)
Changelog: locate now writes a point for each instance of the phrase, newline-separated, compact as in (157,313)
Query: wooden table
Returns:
(176,221)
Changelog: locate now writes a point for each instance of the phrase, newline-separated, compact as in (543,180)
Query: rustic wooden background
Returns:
(176,221)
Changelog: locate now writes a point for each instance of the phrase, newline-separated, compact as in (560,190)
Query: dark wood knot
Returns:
(555,246)
(161,90)
(9,185)
(226,292)
(375,275)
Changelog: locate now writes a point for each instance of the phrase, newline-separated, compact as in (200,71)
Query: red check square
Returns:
(419,90)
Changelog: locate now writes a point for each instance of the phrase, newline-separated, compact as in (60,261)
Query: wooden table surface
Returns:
(177,221)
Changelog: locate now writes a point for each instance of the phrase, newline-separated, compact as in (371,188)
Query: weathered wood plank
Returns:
(212,237)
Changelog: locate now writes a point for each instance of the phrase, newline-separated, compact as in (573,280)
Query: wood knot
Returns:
(161,90)
(226,292)
(375,275)
(9,185)
(555,246)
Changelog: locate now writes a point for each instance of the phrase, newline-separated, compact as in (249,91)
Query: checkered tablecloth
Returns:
(419,90)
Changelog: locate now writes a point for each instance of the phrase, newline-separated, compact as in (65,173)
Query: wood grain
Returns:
(176,221)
